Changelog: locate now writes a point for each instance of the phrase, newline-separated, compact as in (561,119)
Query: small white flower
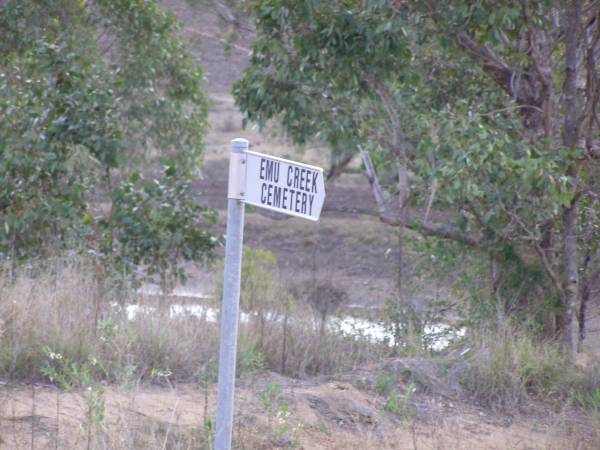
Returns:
(53,356)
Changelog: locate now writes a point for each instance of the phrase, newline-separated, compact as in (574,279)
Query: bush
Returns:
(288,330)
(158,226)
(71,113)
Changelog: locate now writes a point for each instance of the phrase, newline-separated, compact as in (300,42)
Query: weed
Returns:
(250,360)
(161,376)
(507,367)
(396,403)
(270,397)
(208,433)
(94,410)
(207,375)
(385,383)
(588,400)
(283,434)
(66,373)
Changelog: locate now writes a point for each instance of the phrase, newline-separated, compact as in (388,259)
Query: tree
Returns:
(485,110)
(158,224)
(89,90)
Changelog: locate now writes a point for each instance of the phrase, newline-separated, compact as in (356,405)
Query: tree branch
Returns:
(337,167)
(538,249)
(493,65)
(525,92)
(406,220)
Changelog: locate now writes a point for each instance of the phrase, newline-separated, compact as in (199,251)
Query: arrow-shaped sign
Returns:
(285,186)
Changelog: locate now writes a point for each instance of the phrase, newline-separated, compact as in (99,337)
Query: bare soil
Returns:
(327,414)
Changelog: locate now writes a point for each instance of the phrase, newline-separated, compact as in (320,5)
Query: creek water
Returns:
(439,335)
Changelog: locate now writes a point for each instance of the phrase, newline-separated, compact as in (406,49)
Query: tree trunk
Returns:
(585,297)
(568,319)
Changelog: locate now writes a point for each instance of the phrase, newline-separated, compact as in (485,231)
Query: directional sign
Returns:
(268,182)
(285,186)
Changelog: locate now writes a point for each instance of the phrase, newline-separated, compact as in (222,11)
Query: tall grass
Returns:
(64,319)
(56,310)
(65,312)
(506,368)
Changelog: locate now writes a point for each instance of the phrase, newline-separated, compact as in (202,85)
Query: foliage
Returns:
(396,403)
(271,398)
(470,108)
(385,383)
(262,296)
(66,373)
(399,404)
(88,89)
(157,225)
(50,100)
(589,401)
(308,92)
(250,359)
(258,285)
(69,374)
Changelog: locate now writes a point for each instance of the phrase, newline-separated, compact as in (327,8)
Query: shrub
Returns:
(158,226)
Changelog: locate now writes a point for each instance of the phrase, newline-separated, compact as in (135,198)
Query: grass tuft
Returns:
(508,368)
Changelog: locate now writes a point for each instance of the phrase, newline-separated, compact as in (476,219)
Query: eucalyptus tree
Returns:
(89,89)
(486,110)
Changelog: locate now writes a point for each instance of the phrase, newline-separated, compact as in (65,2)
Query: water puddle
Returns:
(439,335)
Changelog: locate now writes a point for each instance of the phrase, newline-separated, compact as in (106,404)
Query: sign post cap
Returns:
(239,145)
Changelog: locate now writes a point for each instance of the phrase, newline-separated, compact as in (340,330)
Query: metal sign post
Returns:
(231,293)
(268,182)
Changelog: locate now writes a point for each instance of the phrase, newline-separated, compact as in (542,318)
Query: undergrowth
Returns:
(508,369)
(60,323)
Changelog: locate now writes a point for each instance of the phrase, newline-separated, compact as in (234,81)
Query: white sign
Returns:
(285,186)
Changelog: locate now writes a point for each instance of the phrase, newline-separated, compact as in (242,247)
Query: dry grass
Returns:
(507,369)
(55,310)
(63,311)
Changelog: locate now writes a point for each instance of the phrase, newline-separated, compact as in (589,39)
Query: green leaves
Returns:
(157,81)
(43,155)
(309,64)
(87,88)
(158,225)
(465,96)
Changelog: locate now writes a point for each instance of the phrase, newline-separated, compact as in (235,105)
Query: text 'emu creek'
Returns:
(286,186)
